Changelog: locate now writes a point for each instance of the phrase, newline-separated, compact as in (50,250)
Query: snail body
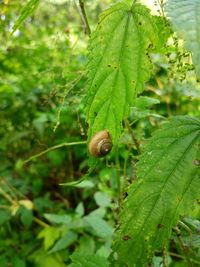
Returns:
(100,144)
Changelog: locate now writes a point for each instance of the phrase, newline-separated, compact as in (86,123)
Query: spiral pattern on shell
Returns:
(100,144)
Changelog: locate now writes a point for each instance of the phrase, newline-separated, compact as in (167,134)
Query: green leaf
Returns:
(106,249)
(80,209)
(100,227)
(167,186)
(102,199)
(64,242)
(26,11)
(58,219)
(84,260)
(86,245)
(144,102)
(50,235)
(42,259)
(185,18)
(119,64)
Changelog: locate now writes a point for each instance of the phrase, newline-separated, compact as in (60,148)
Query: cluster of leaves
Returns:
(40,65)
(131,52)
(118,67)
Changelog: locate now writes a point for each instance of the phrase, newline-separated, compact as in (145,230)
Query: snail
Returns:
(100,144)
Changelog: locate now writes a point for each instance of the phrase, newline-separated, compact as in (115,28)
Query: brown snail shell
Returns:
(100,144)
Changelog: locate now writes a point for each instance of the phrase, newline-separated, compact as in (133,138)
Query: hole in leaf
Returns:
(126,237)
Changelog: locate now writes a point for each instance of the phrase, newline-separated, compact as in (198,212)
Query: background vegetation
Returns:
(42,87)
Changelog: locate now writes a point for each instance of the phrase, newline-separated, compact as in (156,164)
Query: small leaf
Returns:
(100,226)
(58,219)
(64,242)
(81,183)
(50,235)
(86,245)
(102,199)
(144,102)
(84,260)
(167,186)
(80,209)
(26,11)
(106,249)
(19,165)
(28,204)
(42,259)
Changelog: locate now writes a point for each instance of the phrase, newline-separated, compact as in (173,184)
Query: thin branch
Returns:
(41,223)
(133,136)
(82,6)
(164,257)
(81,10)
(187,228)
(6,196)
(182,257)
(53,148)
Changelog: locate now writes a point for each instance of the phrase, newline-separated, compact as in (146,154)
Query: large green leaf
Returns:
(119,64)
(185,17)
(166,187)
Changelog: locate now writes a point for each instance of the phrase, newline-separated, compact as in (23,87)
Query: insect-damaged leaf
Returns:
(119,64)
(167,186)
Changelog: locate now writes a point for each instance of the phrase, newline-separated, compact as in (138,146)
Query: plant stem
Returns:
(187,228)
(53,148)
(133,136)
(41,223)
(182,257)
(164,257)
(81,10)
(182,246)
(6,196)
(117,164)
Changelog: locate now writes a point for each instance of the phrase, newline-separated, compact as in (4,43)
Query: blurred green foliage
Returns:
(42,84)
